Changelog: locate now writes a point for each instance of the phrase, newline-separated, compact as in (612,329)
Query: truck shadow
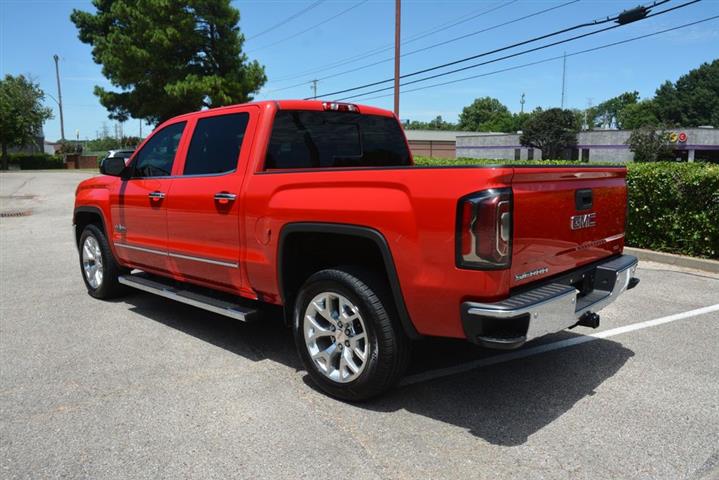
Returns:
(503,404)
(506,403)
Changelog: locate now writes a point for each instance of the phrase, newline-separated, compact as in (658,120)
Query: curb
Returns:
(672,259)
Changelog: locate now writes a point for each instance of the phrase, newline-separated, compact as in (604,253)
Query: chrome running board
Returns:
(188,295)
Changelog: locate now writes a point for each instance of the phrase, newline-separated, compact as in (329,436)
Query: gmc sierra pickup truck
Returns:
(317,207)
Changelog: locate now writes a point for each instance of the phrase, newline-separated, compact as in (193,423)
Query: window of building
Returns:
(585,155)
(530,154)
(517,153)
(216,143)
(310,139)
(158,154)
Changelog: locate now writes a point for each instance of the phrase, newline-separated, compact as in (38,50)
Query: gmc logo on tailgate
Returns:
(583,221)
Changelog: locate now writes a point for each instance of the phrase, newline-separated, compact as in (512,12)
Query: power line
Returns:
(390,46)
(445,42)
(508,47)
(546,60)
(314,4)
(516,54)
(323,22)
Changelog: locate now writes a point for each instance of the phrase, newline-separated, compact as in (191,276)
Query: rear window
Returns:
(308,139)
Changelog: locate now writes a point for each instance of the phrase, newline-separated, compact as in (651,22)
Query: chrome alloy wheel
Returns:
(336,337)
(92,261)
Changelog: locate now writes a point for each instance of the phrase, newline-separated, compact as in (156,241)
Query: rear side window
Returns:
(215,145)
(309,139)
(158,154)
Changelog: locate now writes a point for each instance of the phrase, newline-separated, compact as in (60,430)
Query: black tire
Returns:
(109,287)
(389,347)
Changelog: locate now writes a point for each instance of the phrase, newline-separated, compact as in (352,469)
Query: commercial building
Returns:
(432,143)
(689,144)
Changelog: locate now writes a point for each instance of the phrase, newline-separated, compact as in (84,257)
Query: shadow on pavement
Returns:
(506,403)
(503,404)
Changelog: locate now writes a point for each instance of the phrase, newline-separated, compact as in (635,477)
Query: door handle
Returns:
(225,197)
(156,195)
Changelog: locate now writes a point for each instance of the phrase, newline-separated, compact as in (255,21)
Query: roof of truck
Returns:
(305,105)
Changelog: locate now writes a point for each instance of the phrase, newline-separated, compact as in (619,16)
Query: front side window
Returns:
(158,154)
(311,139)
(216,143)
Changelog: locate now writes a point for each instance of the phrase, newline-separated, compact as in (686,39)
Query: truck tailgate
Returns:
(565,218)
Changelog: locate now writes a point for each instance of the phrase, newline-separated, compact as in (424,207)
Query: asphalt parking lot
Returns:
(147,388)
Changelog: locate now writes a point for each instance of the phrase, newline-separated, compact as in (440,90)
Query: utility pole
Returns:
(314,89)
(521,102)
(140,129)
(564,76)
(397,22)
(59,97)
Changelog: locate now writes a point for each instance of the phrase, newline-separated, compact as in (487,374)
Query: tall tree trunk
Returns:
(4,157)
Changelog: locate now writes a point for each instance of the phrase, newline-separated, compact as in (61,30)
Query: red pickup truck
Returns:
(317,207)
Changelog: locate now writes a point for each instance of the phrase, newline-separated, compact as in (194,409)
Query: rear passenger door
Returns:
(204,203)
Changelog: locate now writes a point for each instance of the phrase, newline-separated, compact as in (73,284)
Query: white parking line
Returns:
(548,347)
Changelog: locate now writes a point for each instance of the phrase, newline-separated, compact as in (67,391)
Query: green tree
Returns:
(437,124)
(168,57)
(638,114)
(21,113)
(486,114)
(692,100)
(518,121)
(102,144)
(649,144)
(553,131)
(607,114)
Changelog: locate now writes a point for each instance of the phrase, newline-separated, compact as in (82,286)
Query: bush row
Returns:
(36,161)
(673,207)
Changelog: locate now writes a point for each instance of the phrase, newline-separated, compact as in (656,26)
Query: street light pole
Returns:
(397,22)
(59,97)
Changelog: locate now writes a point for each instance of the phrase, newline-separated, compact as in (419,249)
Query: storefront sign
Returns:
(675,137)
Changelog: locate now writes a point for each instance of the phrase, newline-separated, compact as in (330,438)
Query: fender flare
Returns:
(356,231)
(88,209)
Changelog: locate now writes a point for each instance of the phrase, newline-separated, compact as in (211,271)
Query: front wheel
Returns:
(100,270)
(346,336)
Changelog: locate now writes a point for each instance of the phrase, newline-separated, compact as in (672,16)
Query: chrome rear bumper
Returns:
(548,308)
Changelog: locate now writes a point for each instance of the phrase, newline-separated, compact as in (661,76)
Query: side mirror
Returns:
(114,166)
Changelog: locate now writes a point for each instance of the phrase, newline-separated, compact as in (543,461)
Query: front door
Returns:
(204,202)
(139,213)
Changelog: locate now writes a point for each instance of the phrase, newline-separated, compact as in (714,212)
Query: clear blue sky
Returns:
(31,31)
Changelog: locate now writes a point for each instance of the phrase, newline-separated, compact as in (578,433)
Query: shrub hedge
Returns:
(673,207)
(36,161)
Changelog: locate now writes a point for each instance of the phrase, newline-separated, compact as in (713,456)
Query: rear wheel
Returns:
(100,270)
(345,334)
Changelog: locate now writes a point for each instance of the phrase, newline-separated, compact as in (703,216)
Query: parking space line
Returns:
(548,347)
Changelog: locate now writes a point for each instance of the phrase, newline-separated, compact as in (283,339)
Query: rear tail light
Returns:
(340,107)
(484,230)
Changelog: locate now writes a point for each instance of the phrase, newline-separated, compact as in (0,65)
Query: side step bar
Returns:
(154,285)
